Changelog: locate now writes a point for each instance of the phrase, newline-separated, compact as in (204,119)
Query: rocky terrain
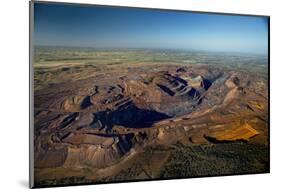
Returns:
(105,122)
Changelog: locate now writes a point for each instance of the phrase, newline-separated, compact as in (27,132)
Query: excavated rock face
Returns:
(76,103)
(97,121)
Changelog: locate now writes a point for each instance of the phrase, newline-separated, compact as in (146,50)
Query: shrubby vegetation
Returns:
(219,159)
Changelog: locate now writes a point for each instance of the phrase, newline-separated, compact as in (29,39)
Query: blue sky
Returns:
(102,27)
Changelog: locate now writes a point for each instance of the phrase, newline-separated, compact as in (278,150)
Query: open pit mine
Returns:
(140,122)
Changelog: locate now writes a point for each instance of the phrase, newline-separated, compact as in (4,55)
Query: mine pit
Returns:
(129,116)
(109,120)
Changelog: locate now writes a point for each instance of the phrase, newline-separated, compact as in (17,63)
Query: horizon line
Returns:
(151,48)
